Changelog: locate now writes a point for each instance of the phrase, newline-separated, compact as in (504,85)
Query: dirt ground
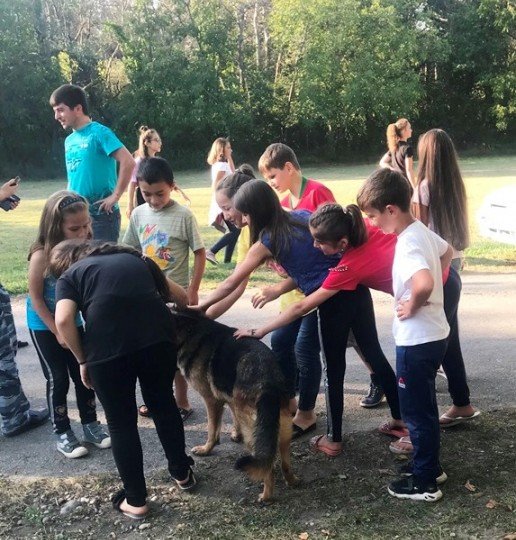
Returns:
(46,496)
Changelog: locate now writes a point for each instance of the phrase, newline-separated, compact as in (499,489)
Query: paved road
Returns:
(488,329)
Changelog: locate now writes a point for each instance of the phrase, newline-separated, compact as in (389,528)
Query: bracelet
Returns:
(81,363)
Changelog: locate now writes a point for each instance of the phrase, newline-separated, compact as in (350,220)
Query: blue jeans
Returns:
(106,226)
(416,368)
(298,350)
(228,241)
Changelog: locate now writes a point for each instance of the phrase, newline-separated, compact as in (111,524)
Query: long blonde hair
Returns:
(146,136)
(394,132)
(57,207)
(217,151)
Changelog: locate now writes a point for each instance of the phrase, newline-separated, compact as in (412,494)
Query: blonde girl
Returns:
(149,144)
(220,157)
(400,156)
(65,216)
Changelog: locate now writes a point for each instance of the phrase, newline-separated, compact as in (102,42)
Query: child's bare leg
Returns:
(181,392)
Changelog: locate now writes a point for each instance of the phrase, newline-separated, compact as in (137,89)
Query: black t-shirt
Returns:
(121,308)
(403,151)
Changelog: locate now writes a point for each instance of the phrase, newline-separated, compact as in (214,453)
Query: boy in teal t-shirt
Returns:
(91,154)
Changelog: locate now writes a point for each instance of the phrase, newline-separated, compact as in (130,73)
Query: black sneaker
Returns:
(407,470)
(374,397)
(410,488)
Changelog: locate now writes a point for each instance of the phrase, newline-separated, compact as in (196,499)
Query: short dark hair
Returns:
(385,187)
(71,95)
(155,169)
(276,156)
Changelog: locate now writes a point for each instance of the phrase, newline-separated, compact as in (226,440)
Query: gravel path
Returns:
(488,329)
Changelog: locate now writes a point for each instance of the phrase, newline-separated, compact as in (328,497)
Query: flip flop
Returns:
(394,431)
(450,421)
(185,413)
(315,446)
(117,499)
(298,431)
(144,411)
(189,484)
(402,446)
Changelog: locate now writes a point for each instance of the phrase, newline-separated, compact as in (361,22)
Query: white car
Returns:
(497,215)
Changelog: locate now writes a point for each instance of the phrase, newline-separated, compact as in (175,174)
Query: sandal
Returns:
(187,483)
(445,420)
(185,413)
(117,499)
(316,446)
(143,410)
(401,446)
(394,431)
(298,431)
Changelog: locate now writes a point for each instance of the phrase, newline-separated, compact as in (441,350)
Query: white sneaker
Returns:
(69,446)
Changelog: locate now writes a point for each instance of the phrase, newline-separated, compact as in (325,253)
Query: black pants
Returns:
(59,366)
(115,384)
(453,361)
(228,241)
(342,312)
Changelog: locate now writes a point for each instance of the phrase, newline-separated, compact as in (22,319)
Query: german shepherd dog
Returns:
(243,373)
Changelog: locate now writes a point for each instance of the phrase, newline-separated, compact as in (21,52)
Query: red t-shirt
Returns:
(369,264)
(312,197)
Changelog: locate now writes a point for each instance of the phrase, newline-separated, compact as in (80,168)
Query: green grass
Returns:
(482,175)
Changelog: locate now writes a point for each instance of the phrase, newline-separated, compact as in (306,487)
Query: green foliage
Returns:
(325,76)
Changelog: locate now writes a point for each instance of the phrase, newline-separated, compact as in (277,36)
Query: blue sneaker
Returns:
(95,434)
(69,446)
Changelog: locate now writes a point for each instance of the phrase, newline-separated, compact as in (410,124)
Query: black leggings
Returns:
(342,312)
(228,241)
(59,366)
(115,384)
(453,361)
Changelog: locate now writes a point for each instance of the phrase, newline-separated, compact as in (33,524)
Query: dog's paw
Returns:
(236,436)
(265,501)
(202,450)
(292,480)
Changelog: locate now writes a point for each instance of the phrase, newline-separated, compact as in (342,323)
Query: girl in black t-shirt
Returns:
(400,157)
(129,336)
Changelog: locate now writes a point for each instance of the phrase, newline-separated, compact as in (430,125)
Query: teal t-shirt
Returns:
(90,168)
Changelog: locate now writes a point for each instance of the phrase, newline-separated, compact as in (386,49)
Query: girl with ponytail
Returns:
(400,156)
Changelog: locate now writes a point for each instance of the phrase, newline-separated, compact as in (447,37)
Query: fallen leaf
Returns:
(491,504)
(470,487)
(303,536)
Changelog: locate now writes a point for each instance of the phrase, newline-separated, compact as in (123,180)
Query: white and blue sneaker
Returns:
(95,434)
(69,445)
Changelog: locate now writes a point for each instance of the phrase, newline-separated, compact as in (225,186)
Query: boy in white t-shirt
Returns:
(420,328)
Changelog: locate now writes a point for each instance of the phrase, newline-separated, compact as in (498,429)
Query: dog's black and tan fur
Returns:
(243,373)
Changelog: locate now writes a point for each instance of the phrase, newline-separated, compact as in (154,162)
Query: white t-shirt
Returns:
(419,248)
(218,166)
(422,196)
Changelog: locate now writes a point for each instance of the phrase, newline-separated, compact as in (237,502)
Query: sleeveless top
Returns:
(34,321)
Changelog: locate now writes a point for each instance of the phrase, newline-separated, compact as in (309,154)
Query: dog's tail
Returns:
(265,437)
